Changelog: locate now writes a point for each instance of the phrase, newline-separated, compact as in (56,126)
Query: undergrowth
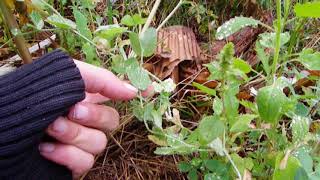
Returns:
(275,137)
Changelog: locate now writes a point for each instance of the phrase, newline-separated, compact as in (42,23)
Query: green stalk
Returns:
(278,42)
(19,40)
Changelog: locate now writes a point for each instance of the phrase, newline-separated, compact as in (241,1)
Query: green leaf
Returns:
(91,56)
(149,42)
(146,44)
(210,128)
(310,9)
(242,163)
(204,89)
(128,20)
(135,43)
(305,159)
(82,24)
(242,65)
(192,175)
(37,20)
(184,166)
(231,103)
(138,19)
(268,40)
(217,146)
(301,174)
(285,168)
(134,20)
(110,32)
(310,59)
(218,169)
(242,124)
(118,64)
(61,22)
(138,76)
(234,25)
(301,110)
(217,106)
(270,102)
(39,3)
(300,128)
(263,57)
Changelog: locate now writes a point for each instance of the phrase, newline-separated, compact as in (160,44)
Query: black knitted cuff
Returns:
(31,98)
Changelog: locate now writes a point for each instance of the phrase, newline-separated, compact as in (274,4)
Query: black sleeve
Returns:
(31,98)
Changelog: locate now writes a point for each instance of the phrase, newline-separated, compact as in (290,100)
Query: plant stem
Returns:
(150,17)
(170,15)
(278,42)
(12,24)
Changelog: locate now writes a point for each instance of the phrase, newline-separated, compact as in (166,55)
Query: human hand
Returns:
(81,135)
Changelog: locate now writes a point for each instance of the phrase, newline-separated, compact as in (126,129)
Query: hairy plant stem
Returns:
(13,26)
(278,43)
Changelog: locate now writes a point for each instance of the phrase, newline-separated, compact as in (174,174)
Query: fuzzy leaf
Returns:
(82,24)
(127,20)
(268,40)
(234,25)
(310,59)
(61,22)
(184,167)
(270,102)
(37,20)
(288,171)
(242,124)
(242,65)
(138,76)
(300,128)
(210,128)
(217,106)
(149,42)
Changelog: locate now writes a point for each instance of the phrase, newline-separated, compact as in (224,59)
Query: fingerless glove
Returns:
(31,98)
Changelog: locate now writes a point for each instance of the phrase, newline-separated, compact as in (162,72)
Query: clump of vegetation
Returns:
(276,136)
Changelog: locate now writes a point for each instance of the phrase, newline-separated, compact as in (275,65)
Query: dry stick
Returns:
(12,24)
(150,17)
(170,15)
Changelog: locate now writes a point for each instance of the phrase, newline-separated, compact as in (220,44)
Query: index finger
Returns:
(104,82)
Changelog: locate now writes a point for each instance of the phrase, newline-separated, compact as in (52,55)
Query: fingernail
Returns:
(46,147)
(81,112)
(59,126)
(130,87)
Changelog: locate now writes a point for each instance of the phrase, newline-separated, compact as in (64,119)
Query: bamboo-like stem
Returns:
(150,17)
(170,15)
(19,40)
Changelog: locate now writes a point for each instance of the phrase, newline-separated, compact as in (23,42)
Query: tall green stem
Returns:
(278,41)
(12,24)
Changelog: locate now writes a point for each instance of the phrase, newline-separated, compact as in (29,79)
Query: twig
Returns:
(150,17)
(14,28)
(170,15)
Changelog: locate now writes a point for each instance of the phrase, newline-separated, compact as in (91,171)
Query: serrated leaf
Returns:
(310,59)
(192,175)
(210,128)
(37,20)
(300,128)
(204,89)
(61,22)
(234,25)
(231,103)
(138,76)
(82,24)
(270,102)
(310,9)
(91,56)
(243,122)
(268,40)
(242,65)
